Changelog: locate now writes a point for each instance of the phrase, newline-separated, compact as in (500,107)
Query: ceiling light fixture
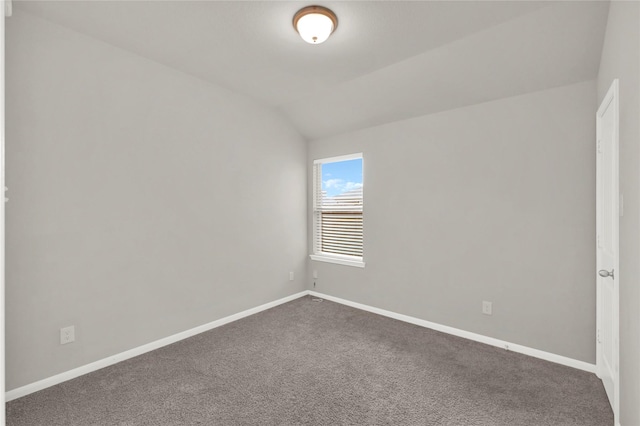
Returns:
(315,23)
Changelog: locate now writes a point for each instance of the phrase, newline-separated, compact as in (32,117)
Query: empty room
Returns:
(334,213)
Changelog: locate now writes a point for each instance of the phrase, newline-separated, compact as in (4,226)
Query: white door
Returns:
(6,11)
(607,220)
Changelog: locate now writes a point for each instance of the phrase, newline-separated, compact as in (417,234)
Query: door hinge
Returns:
(599,149)
(598,337)
(598,241)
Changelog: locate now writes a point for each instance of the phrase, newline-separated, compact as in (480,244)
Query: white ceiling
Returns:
(388,60)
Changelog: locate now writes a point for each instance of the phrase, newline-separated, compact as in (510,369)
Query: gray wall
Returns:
(489,202)
(143,202)
(621,59)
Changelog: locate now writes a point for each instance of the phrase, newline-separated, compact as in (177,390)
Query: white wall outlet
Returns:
(315,274)
(487,307)
(67,335)
(290,276)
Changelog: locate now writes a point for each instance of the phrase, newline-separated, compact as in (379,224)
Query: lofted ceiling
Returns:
(387,61)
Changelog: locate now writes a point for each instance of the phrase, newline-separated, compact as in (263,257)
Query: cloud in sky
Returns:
(350,186)
(339,186)
(333,183)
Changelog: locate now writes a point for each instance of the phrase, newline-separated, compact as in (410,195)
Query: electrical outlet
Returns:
(67,335)
(290,276)
(487,307)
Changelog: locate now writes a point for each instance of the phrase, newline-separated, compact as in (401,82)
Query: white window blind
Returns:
(338,217)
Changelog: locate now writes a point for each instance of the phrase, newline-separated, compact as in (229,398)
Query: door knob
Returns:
(604,273)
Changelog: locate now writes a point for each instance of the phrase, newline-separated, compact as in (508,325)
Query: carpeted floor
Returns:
(321,363)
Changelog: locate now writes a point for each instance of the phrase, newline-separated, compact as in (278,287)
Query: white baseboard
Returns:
(105,362)
(536,353)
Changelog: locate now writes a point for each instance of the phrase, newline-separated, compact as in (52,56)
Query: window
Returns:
(337,210)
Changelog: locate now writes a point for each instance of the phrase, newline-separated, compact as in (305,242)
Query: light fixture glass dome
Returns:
(315,23)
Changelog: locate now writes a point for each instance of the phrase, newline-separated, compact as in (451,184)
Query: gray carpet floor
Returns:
(321,363)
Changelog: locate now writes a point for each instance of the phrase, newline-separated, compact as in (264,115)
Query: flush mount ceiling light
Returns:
(315,23)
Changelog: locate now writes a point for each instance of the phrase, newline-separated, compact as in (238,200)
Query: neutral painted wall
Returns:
(621,59)
(490,202)
(143,202)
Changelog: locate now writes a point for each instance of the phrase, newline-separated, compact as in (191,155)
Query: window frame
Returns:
(341,259)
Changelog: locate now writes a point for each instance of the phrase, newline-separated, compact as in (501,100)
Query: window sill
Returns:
(338,260)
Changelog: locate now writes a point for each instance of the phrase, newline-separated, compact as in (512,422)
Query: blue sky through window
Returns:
(341,176)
